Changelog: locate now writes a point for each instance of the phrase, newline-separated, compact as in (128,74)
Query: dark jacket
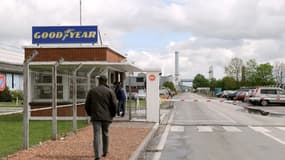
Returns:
(101,103)
(120,94)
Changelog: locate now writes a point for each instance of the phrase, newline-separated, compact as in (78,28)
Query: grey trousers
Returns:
(101,132)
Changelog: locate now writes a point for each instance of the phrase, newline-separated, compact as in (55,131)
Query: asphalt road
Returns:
(203,130)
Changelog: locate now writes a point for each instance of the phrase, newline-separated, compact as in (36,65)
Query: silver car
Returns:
(265,95)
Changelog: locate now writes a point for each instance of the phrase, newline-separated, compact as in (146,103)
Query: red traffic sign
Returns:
(2,82)
(151,77)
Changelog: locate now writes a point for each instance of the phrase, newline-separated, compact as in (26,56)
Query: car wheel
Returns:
(264,103)
(264,113)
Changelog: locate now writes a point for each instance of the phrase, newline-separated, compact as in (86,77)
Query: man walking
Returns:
(100,105)
(121,96)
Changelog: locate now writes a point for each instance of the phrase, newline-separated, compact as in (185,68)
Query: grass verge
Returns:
(11,132)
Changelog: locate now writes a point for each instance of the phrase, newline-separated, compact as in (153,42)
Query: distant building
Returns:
(138,82)
(135,82)
(11,66)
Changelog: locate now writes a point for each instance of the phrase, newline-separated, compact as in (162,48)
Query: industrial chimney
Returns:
(176,68)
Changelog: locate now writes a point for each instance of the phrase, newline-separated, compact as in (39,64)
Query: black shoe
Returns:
(97,158)
(104,155)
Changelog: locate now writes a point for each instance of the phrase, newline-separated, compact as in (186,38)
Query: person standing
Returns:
(121,96)
(100,105)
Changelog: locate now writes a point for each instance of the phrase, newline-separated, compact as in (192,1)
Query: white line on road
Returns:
(162,117)
(266,133)
(272,137)
(177,129)
(163,138)
(231,129)
(259,129)
(281,128)
(205,129)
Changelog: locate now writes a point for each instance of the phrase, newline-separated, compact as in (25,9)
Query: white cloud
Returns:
(220,29)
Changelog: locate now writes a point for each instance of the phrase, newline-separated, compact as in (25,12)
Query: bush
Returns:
(17,94)
(5,96)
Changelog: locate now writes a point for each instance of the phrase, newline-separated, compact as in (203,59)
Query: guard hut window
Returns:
(43,87)
(82,87)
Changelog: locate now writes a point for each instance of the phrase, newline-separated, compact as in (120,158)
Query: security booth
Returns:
(81,64)
(57,78)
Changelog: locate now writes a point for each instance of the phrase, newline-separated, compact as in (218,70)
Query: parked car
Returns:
(226,93)
(131,95)
(249,94)
(141,94)
(266,95)
(220,94)
(241,95)
(232,95)
(164,94)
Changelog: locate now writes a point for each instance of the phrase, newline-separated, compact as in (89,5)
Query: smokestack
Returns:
(211,72)
(176,67)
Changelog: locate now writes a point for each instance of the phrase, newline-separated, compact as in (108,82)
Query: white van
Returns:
(265,95)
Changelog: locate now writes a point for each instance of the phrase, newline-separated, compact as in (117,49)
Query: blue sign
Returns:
(64,34)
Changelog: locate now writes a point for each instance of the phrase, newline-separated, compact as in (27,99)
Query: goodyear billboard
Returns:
(64,34)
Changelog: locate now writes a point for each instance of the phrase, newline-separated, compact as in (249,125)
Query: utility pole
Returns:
(80,13)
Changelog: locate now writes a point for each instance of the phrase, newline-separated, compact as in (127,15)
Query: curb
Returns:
(136,153)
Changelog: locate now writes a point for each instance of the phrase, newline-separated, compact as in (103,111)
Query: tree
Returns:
(250,72)
(234,69)
(212,84)
(169,85)
(229,83)
(264,74)
(200,81)
(279,72)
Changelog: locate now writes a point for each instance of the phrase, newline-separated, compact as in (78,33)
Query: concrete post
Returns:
(54,101)
(74,98)
(152,96)
(26,111)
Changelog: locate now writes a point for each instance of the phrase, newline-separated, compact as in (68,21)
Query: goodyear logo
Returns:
(65,34)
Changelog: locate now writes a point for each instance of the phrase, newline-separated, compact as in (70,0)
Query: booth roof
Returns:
(87,65)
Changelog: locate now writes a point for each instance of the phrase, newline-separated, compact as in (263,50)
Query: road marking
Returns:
(162,117)
(201,121)
(163,138)
(259,129)
(231,129)
(281,128)
(177,129)
(274,138)
(266,133)
(204,129)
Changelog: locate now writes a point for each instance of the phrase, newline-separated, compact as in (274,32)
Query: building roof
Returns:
(88,65)
(10,57)
(74,46)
